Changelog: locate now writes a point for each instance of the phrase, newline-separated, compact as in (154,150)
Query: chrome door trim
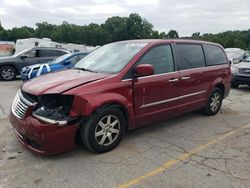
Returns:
(172,99)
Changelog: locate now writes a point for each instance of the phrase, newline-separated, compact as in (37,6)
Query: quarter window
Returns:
(160,58)
(191,56)
(214,55)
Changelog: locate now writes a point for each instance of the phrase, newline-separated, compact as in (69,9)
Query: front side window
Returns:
(30,54)
(57,53)
(191,56)
(160,58)
(110,58)
(44,53)
(214,55)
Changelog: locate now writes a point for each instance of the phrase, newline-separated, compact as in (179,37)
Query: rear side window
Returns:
(50,53)
(214,55)
(57,53)
(191,56)
(160,58)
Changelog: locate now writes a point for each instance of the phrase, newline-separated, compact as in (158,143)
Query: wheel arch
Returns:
(221,86)
(118,105)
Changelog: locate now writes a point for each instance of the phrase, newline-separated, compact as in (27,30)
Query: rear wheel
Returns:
(214,102)
(7,73)
(104,130)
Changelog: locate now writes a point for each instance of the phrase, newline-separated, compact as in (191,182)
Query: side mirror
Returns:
(143,70)
(23,56)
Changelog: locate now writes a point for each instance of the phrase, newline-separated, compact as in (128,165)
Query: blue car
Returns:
(63,62)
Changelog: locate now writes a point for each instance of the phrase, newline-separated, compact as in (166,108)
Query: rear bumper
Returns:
(43,139)
(240,79)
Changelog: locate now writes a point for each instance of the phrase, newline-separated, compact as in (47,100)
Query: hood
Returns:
(59,82)
(6,58)
(242,65)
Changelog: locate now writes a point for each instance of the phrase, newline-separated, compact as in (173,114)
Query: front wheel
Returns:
(214,102)
(7,73)
(234,85)
(104,130)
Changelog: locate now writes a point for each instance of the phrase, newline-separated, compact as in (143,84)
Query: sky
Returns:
(185,16)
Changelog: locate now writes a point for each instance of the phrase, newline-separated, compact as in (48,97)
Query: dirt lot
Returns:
(192,150)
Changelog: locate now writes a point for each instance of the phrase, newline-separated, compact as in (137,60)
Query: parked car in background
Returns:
(119,87)
(247,54)
(235,55)
(11,66)
(241,73)
(64,62)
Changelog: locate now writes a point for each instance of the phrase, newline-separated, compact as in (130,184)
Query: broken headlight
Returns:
(54,109)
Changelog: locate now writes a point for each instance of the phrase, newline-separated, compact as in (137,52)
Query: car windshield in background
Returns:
(61,58)
(235,55)
(21,52)
(247,59)
(110,58)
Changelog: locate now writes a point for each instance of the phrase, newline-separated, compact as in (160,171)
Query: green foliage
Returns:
(228,39)
(172,34)
(115,29)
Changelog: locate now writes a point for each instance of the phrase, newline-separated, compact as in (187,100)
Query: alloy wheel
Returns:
(107,130)
(215,102)
(7,74)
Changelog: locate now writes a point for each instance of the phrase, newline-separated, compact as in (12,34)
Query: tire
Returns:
(8,73)
(96,133)
(234,85)
(214,102)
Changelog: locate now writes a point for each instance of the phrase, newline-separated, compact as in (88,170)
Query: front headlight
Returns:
(234,70)
(54,109)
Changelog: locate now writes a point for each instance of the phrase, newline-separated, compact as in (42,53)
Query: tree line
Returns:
(115,29)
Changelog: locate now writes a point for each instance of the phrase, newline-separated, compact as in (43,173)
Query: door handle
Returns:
(173,80)
(185,78)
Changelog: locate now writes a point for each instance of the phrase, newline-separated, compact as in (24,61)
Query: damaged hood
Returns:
(59,82)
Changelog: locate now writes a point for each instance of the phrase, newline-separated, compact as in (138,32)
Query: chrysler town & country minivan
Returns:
(119,87)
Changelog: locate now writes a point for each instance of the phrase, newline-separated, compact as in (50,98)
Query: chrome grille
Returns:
(20,105)
(244,71)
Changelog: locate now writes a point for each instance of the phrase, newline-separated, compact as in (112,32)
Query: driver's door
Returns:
(156,97)
(30,58)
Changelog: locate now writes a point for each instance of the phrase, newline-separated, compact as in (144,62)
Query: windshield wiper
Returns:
(84,69)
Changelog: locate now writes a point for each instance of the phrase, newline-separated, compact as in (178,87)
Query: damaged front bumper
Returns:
(43,138)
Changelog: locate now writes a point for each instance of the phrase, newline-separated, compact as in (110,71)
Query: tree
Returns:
(1,28)
(196,35)
(139,28)
(44,30)
(172,34)
(116,28)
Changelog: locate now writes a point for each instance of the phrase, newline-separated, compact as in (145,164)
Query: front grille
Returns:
(30,97)
(244,71)
(20,105)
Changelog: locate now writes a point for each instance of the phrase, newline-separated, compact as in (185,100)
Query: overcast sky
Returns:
(185,16)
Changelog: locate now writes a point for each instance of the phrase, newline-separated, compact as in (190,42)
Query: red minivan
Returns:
(119,87)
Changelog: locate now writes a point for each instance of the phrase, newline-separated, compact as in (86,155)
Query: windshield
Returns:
(235,55)
(247,59)
(110,58)
(21,52)
(61,58)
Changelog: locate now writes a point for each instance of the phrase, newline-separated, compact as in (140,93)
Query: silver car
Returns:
(241,73)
